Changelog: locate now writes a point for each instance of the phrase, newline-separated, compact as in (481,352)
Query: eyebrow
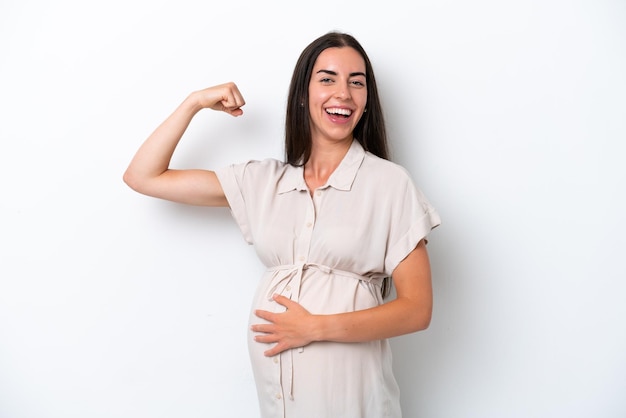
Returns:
(335,73)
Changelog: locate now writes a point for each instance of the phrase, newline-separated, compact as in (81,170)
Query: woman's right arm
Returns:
(149,172)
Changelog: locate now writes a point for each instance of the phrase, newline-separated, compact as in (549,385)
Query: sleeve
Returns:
(412,219)
(231,178)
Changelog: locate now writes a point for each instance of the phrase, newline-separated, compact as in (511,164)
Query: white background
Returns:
(510,115)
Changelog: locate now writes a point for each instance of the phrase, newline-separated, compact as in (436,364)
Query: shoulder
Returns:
(385,170)
(254,168)
(394,184)
(265,164)
(251,174)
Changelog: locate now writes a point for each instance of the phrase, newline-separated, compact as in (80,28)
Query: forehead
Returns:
(342,59)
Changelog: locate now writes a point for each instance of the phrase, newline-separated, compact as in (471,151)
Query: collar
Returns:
(341,179)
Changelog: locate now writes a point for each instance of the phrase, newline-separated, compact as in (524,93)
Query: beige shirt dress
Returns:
(330,253)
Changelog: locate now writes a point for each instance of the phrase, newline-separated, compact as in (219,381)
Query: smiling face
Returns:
(337,95)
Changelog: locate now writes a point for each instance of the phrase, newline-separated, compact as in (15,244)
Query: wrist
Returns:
(193,102)
(319,327)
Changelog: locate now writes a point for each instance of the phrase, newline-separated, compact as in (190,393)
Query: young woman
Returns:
(334,224)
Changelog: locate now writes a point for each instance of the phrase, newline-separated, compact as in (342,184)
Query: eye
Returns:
(326,80)
(358,83)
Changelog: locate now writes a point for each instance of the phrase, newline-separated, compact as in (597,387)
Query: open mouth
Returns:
(335,111)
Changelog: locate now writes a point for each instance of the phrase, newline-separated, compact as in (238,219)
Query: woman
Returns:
(332,224)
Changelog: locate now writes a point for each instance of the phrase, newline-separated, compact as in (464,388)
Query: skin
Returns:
(338,82)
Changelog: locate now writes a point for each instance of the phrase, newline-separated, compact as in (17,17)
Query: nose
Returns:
(343,91)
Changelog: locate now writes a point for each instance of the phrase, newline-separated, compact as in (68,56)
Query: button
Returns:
(275,359)
(318,193)
(279,396)
(309,224)
(287,288)
(301,258)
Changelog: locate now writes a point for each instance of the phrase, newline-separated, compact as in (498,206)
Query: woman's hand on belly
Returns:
(290,329)
(409,312)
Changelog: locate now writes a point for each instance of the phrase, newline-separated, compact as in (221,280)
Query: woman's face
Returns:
(337,94)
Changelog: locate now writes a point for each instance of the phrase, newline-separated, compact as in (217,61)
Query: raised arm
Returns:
(409,312)
(149,171)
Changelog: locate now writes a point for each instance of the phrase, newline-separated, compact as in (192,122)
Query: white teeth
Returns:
(338,111)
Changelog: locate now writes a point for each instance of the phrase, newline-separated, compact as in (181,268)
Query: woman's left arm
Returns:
(409,312)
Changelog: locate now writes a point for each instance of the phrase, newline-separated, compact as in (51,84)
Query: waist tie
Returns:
(288,279)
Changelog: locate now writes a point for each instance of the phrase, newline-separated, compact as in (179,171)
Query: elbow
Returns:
(420,320)
(416,314)
(426,322)
(127,178)
(131,180)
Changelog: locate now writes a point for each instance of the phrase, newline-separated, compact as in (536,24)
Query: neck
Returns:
(324,159)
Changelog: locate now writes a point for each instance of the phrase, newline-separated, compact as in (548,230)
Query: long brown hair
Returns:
(370,131)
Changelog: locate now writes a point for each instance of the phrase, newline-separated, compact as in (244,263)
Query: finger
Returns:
(265,328)
(285,301)
(231,107)
(233,91)
(234,97)
(276,350)
(266,338)
(232,100)
(268,316)
(234,112)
